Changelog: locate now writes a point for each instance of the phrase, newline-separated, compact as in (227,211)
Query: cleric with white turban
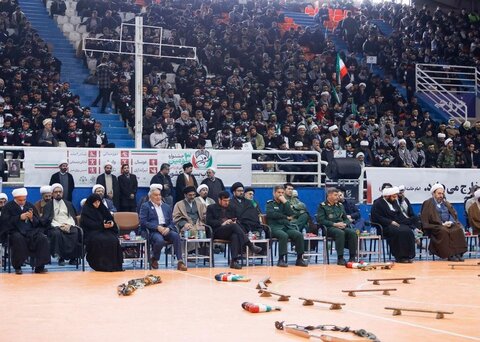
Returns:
(396,228)
(440,220)
(25,229)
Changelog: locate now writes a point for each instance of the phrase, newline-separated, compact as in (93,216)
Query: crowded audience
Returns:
(253,81)
(253,76)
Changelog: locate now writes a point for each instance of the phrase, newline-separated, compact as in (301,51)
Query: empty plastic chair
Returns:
(75,20)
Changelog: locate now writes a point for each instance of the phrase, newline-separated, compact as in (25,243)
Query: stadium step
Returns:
(74,70)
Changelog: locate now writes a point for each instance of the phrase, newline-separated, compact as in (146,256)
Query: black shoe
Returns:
(403,261)
(281,263)
(40,270)
(460,257)
(18,271)
(61,262)
(300,262)
(453,258)
(256,249)
(235,265)
(73,262)
(341,262)
(352,259)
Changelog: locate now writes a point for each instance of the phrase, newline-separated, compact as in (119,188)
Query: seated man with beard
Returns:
(59,218)
(440,222)
(397,228)
(46,193)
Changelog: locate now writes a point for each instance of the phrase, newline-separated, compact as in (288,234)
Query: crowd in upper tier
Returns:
(253,81)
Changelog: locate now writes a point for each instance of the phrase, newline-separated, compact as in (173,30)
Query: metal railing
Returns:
(269,170)
(444,85)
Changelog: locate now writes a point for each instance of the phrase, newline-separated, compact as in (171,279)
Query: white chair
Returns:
(61,19)
(70,12)
(129,16)
(71,4)
(67,28)
(75,38)
(75,20)
(92,65)
(49,4)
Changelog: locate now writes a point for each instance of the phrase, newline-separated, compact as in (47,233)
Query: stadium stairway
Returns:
(73,70)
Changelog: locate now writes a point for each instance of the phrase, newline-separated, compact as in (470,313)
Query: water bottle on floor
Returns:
(304,232)
(133,236)
(262,235)
(373,231)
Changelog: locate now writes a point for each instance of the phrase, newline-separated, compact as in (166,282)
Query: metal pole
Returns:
(138,81)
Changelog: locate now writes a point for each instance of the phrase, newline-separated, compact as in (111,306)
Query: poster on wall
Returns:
(418,182)
(86,164)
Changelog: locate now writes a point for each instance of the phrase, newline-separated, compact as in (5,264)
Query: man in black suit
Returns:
(25,231)
(165,180)
(472,157)
(65,179)
(128,185)
(59,218)
(110,184)
(183,180)
(222,218)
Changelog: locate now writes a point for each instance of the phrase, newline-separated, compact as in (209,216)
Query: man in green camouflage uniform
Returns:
(332,215)
(446,158)
(279,217)
(300,214)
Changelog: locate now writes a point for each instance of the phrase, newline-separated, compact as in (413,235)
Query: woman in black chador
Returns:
(101,235)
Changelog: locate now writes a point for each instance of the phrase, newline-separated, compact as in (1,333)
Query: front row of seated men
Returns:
(393,211)
(53,234)
(231,219)
(438,220)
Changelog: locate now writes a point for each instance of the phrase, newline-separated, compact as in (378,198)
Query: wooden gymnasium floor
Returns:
(192,306)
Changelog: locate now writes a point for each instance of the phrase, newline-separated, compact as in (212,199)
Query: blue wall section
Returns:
(312,197)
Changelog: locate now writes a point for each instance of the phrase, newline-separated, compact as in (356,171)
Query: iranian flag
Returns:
(341,70)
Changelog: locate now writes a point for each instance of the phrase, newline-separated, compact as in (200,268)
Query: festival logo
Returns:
(202,159)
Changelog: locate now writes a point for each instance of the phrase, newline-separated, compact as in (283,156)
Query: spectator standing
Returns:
(104,84)
(65,179)
(128,186)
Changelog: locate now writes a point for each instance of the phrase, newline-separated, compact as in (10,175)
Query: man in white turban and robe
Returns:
(440,222)
(397,228)
(25,233)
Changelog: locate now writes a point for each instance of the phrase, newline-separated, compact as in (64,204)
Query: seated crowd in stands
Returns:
(252,83)
(36,108)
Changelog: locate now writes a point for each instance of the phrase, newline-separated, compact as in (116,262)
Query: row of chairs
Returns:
(319,245)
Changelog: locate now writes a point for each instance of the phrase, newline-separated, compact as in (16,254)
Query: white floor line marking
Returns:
(473,338)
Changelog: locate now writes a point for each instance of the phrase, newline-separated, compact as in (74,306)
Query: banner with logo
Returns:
(86,164)
(418,182)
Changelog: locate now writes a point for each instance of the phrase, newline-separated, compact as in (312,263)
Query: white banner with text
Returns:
(86,164)
(418,182)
